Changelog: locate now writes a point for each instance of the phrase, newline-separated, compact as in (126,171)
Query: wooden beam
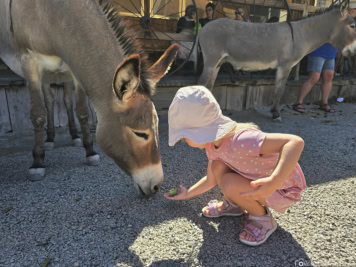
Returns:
(147,7)
(272,4)
(165,36)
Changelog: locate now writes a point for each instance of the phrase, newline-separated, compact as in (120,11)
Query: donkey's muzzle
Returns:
(147,193)
(148,180)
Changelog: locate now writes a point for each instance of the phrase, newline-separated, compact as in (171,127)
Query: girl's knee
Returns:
(229,183)
(219,168)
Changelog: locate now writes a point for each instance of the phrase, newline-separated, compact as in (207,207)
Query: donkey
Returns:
(87,42)
(272,45)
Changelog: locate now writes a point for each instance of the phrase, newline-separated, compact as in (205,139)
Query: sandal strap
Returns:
(228,204)
(213,207)
(326,107)
(257,232)
(258,226)
(228,208)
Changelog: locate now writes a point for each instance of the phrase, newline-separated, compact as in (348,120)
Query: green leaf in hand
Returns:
(173,192)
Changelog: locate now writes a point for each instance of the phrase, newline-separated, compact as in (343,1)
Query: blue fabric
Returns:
(326,51)
(318,64)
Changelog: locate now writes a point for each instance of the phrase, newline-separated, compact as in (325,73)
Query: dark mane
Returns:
(128,42)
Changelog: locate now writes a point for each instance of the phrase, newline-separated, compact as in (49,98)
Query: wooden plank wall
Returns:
(254,94)
(15,104)
(5,122)
(15,110)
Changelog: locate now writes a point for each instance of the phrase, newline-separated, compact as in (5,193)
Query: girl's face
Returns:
(192,144)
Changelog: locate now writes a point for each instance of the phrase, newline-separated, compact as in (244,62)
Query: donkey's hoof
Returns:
(48,146)
(36,174)
(93,160)
(277,119)
(77,142)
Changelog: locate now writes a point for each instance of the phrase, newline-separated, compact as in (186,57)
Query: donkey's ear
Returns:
(161,67)
(344,6)
(127,77)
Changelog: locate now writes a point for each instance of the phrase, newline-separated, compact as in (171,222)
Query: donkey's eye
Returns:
(352,26)
(141,135)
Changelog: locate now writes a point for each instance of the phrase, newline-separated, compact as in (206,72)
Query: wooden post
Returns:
(147,8)
(306,8)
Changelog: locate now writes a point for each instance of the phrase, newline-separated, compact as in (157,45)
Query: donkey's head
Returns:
(128,130)
(343,36)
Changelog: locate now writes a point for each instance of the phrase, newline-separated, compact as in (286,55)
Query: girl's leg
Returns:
(218,169)
(232,184)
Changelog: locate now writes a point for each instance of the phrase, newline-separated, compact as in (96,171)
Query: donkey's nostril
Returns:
(155,189)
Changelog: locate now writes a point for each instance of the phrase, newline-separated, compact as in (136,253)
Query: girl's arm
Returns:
(290,148)
(203,185)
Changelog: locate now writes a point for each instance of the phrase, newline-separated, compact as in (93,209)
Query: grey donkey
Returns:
(87,42)
(260,46)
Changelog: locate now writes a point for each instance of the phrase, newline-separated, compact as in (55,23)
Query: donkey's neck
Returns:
(313,32)
(92,51)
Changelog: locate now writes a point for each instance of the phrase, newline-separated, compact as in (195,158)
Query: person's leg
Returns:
(218,169)
(232,185)
(260,223)
(326,85)
(308,85)
(315,65)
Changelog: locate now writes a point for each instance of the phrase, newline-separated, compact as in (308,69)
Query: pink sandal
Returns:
(260,227)
(228,210)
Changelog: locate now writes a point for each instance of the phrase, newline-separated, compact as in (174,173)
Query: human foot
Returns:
(217,208)
(257,229)
(327,108)
(299,108)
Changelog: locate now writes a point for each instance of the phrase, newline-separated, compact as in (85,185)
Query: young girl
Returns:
(254,170)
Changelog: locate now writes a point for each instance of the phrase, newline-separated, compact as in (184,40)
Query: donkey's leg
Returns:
(210,72)
(68,88)
(82,114)
(49,102)
(281,80)
(38,117)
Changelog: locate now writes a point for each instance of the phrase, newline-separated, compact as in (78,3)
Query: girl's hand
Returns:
(181,196)
(264,188)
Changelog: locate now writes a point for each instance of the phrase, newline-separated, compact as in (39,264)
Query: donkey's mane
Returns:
(128,42)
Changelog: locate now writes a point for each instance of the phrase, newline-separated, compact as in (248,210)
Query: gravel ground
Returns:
(92,216)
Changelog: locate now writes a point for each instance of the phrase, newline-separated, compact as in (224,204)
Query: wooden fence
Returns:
(243,95)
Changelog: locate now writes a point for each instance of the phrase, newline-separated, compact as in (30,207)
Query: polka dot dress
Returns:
(241,152)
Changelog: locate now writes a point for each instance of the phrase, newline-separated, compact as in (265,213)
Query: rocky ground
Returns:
(92,216)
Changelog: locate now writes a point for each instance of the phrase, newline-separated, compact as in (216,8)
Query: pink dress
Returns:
(241,152)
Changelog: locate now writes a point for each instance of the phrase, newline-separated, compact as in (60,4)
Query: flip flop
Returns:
(299,108)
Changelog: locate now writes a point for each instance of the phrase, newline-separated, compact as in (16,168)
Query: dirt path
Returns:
(92,216)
